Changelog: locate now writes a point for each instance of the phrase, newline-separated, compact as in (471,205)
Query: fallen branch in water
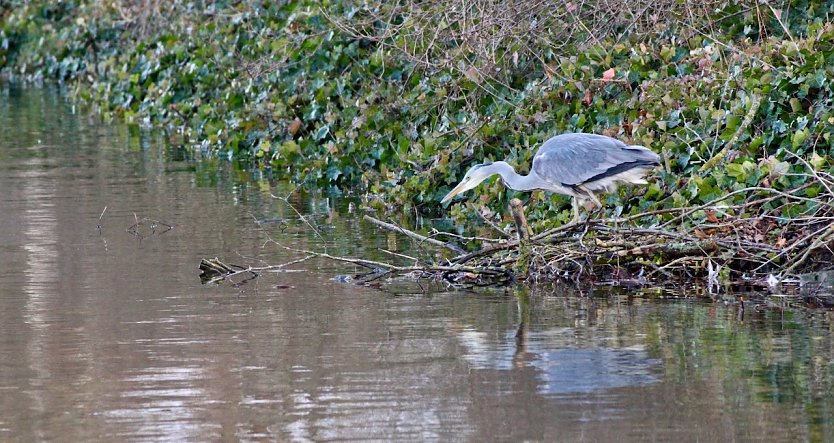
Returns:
(213,270)
(413,235)
(454,273)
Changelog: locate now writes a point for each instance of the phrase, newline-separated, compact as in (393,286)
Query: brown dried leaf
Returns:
(711,216)
(295,125)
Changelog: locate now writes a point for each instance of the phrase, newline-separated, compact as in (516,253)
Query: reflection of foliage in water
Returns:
(769,365)
(771,357)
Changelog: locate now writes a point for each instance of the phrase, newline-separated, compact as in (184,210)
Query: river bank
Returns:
(371,98)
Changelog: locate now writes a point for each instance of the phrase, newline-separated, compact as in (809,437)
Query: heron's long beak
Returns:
(457,190)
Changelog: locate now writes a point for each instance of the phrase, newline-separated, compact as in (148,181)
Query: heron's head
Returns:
(474,176)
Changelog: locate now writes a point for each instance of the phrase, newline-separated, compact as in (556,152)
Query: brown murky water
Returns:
(110,336)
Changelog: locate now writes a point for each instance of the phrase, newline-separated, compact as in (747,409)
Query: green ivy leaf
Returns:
(321,133)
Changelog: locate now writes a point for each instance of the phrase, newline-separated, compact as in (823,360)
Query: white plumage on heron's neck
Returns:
(512,180)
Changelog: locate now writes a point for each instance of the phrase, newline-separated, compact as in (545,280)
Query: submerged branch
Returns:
(412,234)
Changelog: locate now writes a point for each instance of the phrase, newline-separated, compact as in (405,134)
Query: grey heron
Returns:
(576,165)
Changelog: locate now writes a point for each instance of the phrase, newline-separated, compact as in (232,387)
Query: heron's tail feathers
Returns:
(642,153)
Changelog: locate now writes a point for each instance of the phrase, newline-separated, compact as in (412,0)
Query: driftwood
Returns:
(214,267)
(213,270)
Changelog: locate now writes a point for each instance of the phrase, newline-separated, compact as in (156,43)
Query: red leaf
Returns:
(608,75)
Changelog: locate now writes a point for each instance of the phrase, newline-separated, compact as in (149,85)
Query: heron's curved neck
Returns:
(514,180)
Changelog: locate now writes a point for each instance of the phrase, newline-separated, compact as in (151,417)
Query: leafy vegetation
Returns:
(398,99)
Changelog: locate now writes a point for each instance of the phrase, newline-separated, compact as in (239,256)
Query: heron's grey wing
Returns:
(573,159)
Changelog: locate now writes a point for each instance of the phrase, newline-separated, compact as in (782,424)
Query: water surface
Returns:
(107,333)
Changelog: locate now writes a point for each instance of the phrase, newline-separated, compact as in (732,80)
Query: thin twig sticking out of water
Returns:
(152,224)
(100,217)
(303,218)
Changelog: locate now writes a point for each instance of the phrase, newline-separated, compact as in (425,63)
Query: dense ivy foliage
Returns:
(292,85)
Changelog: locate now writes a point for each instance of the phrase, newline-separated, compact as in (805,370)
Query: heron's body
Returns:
(577,165)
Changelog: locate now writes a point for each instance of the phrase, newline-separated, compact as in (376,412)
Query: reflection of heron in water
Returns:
(576,165)
(561,369)
(560,365)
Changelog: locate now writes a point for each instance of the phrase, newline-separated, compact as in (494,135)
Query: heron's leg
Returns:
(588,197)
(575,202)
